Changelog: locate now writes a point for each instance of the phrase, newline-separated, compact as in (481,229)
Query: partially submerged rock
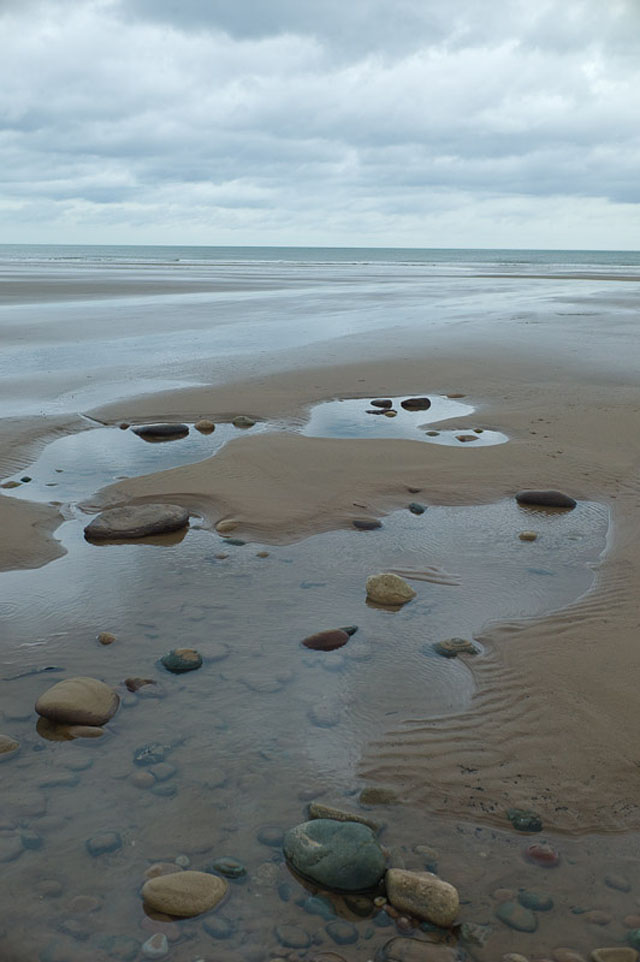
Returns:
(338,855)
(136,521)
(204,426)
(452,647)
(326,640)
(423,895)
(184,894)
(78,701)
(161,431)
(381,403)
(320,810)
(366,524)
(243,421)
(8,747)
(524,820)
(546,499)
(180,660)
(416,404)
(389,589)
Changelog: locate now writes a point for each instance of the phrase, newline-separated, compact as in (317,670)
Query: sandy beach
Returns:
(545,717)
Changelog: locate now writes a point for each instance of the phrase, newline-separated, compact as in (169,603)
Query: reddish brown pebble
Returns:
(106,638)
(327,640)
(133,684)
(125,426)
(541,853)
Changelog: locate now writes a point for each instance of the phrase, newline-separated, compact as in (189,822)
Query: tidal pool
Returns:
(264,726)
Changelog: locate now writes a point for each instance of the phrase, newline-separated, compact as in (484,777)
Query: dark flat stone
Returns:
(416,404)
(381,403)
(546,499)
(161,430)
(136,521)
(366,524)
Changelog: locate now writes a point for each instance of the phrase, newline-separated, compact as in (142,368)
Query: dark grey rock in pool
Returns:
(136,521)
(381,403)
(366,524)
(292,936)
(524,820)
(416,508)
(180,660)
(416,404)
(161,431)
(103,843)
(546,499)
(535,901)
(338,855)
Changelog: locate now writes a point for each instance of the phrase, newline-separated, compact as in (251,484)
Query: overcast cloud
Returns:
(384,122)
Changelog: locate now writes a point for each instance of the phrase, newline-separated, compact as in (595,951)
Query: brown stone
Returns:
(78,701)
(205,426)
(423,895)
(106,638)
(134,684)
(326,640)
(8,747)
(184,894)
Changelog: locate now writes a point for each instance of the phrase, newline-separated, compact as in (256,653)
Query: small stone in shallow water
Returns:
(614,954)
(422,895)
(156,947)
(416,404)
(543,854)
(326,640)
(528,536)
(184,894)
(617,882)
(389,589)
(339,855)
(390,413)
(162,771)
(8,747)
(158,431)
(366,524)
(180,660)
(536,901)
(292,936)
(598,917)
(30,839)
(562,954)
(204,426)
(227,866)
(78,701)
(378,795)
(243,421)
(320,810)
(107,638)
(271,835)
(136,521)
(384,403)
(318,905)
(149,754)
(161,868)
(219,927)
(416,508)
(134,684)
(452,647)
(342,933)
(103,843)
(546,499)
(350,629)
(401,949)
(524,820)
(517,917)
(463,438)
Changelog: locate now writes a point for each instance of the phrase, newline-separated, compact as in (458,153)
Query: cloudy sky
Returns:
(429,123)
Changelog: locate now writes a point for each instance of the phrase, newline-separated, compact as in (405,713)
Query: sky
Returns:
(410,123)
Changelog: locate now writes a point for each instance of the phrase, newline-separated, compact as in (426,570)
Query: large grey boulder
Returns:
(335,854)
(136,521)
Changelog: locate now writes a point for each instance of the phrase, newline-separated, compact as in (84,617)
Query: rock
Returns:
(30,839)
(390,414)
(524,820)
(415,950)
(368,411)
(106,638)
(338,855)
(161,868)
(536,901)
(350,629)
(381,403)
(342,933)
(236,542)
(134,684)
(78,701)
(10,846)
(156,947)
(517,917)
(319,905)
(423,895)
(227,866)
(452,647)
(541,853)
(271,835)
(326,640)
(180,660)
(366,524)
(617,882)
(204,426)
(103,843)
(614,954)
(292,936)
(389,589)
(150,754)
(242,421)
(416,508)
(528,536)
(262,554)
(319,810)
(546,499)
(162,772)
(159,431)
(598,917)
(9,747)
(416,404)
(184,894)
(464,438)
(474,933)
(377,795)
(562,954)
(219,927)
(136,521)
(432,434)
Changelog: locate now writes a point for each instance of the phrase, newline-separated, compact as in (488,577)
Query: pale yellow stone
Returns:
(8,747)
(528,536)
(205,426)
(389,589)
(227,525)
(184,894)
(614,954)
(423,895)
(78,701)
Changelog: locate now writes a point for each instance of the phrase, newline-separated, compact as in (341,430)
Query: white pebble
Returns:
(156,947)
(183,861)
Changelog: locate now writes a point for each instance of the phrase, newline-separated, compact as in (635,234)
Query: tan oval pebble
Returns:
(567,955)
(158,869)
(262,554)
(598,917)
(226,525)
(389,589)
(78,701)
(221,557)
(391,414)
(422,895)
(83,731)
(184,894)
(8,747)
(528,536)
(142,779)
(614,954)
(107,638)
(205,426)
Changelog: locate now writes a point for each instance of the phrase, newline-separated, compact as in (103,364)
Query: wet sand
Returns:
(550,724)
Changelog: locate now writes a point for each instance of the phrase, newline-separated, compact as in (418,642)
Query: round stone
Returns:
(103,843)
(342,933)
(536,901)
(416,508)
(149,754)
(464,438)
(78,701)
(180,660)
(517,917)
(543,854)
(219,927)
(8,747)
(271,835)
(161,868)
(243,421)
(618,882)
(136,521)
(160,431)
(390,414)
(528,536)
(598,917)
(422,895)
(106,638)
(135,684)
(338,855)
(184,894)
(293,936)
(416,404)
(524,820)
(389,589)
(546,499)
(227,866)
(452,647)
(326,640)
(383,403)
(204,426)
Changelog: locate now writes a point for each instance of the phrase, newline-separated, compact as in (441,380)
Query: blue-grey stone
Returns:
(150,754)
(219,927)
(317,905)
(517,917)
(293,936)
(103,843)
(342,933)
(536,901)
(272,835)
(338,855)
(227,866)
